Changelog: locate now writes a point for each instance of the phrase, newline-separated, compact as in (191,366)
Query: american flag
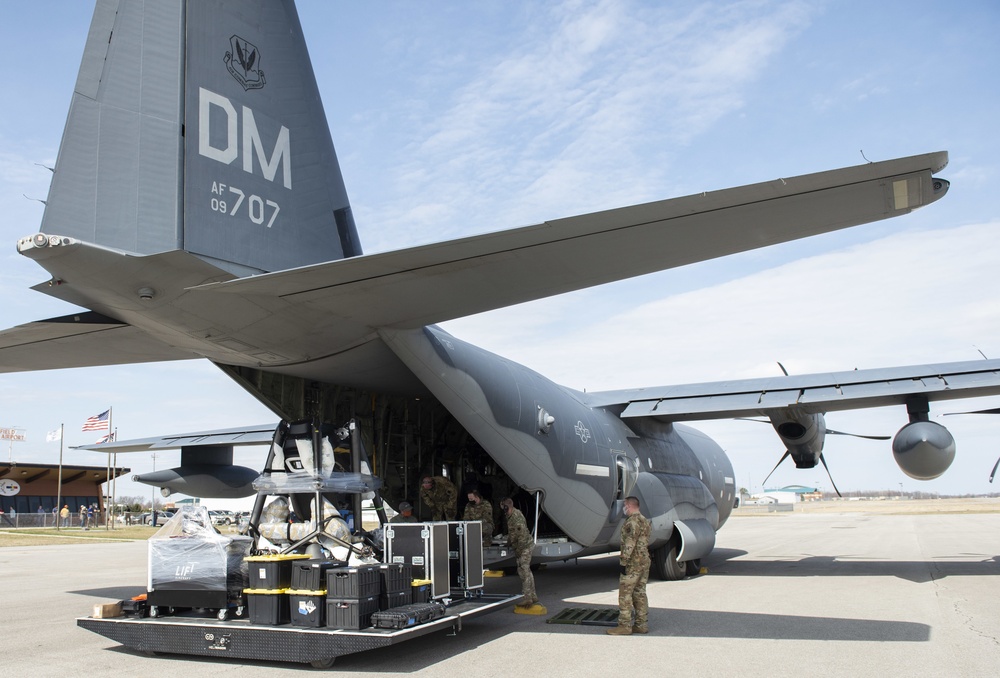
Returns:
(98,422)
(110,438)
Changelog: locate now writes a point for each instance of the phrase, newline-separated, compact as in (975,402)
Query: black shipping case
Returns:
(408,615)
(361,581)
(268,607)
(307,608)
(465,553)
(387,601)
(273,571)
(396,577)
(350,613)
(420,593)
(424,546)
(310,575)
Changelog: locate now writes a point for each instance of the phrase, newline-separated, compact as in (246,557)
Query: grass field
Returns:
(74,535)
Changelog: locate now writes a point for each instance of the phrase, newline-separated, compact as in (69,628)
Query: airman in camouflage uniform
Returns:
(634,572)
(405,514)
(440,495)
(481,510)
(519,538)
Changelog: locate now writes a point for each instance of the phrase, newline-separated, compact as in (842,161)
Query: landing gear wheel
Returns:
(323,663)
(665,563)
(693,567)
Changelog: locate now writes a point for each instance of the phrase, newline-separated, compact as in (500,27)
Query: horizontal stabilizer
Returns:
(246,435)
(80,340)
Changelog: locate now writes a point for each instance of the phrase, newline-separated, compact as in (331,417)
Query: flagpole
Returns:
(59,481)
(107,510)
(114,484)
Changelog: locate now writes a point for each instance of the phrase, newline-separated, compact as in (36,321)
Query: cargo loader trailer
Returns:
(239,639)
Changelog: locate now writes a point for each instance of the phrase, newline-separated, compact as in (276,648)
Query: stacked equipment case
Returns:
(423,546)
(352,596)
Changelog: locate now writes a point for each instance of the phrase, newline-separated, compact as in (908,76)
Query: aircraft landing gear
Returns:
(665,563)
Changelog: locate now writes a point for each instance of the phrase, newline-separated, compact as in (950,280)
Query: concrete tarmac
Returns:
(858,594)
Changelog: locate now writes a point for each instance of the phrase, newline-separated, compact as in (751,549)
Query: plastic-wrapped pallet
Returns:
(187,554)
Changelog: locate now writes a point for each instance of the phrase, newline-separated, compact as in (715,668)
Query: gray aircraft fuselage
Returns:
(584,460)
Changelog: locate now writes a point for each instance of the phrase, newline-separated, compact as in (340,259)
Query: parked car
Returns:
(221,517)
(161,517)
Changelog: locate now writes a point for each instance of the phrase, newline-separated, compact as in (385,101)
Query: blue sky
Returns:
(458,118)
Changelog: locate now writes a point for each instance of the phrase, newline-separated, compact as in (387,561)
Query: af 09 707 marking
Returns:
(255,204)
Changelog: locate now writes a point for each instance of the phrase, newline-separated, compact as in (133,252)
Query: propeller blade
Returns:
(829,430)
(857,435)
(786,454)
(994,471)
(829,475)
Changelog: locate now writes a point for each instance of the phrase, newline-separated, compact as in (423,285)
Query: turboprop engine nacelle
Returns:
(923,449)
(802,434)
(203,480)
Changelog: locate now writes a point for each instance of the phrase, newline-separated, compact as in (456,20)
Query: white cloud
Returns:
(562,121)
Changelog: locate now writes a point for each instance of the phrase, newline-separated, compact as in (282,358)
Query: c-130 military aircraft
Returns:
(206,217)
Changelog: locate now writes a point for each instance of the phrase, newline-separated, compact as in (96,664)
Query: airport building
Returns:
(32,489)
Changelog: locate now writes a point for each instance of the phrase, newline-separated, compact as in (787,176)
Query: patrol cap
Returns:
(405,506)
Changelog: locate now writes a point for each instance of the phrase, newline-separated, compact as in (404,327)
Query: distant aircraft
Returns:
(197,210)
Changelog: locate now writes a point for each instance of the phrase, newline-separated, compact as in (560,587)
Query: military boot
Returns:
(640,628)
(620,630)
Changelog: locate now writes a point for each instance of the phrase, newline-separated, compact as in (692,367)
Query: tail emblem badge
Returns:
(243,62)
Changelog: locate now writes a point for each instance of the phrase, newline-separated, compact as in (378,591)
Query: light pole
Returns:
(152,498)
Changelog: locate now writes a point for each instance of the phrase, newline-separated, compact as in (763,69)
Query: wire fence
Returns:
(10,520)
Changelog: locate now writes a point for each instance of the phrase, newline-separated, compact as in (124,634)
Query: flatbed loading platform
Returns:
(239,639)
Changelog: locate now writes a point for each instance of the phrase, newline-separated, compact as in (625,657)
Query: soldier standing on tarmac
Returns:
(440,495)
(481,510)
(633,573)
(519,538)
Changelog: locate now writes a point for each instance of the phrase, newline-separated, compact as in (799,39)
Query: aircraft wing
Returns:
(244,435)
(80,340)
(809,393)
(424,285)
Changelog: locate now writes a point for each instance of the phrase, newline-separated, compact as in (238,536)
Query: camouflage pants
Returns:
(632,594)
(527,579)
(443,511)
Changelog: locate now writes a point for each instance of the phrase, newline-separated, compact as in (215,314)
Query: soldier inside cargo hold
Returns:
(405,514)
(440,495)
(633,573)
(481,510)
(520,539)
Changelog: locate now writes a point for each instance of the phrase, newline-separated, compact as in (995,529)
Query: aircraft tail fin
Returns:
(199,126)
